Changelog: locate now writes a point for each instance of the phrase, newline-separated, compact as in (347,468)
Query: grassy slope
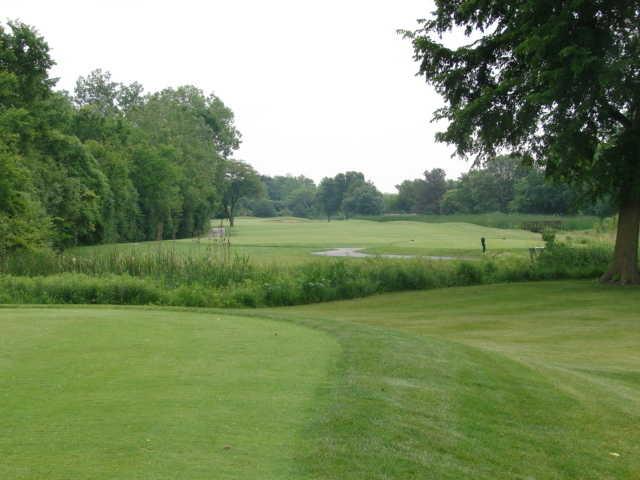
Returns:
(103,393)
(510,381)
(293,240)
(528,381)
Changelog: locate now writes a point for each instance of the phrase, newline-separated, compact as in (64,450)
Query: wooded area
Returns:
(106,163)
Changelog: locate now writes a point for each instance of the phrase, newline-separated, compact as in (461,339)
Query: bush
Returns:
(549,238)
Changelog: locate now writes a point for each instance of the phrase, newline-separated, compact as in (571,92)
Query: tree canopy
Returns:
(239,180)
(555,82)
(106,163)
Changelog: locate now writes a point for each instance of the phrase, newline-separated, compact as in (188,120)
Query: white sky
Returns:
(317,87)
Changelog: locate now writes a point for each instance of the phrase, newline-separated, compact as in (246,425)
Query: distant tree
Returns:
(480,191)
(329,196)
(240,180)
(557,82)
(390,203)
(534,194)
(431,191)
(423,195)
(350,180)
(408,192)
(262,207)
(301,201)
(363,199)
(279,188)
(453,201)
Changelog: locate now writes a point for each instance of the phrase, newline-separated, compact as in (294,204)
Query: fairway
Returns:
(291,239)
(103,393)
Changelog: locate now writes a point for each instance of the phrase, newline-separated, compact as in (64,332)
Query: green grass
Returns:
(523,381)
(292,240)
(498,219)
(133,394)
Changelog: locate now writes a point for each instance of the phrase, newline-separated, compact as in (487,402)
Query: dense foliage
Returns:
(504,184)
(347,194)
(558,82)
(107,163)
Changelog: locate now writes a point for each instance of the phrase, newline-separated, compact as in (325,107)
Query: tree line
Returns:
(106,163)
(345,195)
(504,184)
(110,163)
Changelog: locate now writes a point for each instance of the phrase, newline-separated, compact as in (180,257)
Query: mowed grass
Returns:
(528,381)
(523,381)
(134,394)
(292,240)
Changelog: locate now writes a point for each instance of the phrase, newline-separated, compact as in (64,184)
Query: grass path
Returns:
(133,394)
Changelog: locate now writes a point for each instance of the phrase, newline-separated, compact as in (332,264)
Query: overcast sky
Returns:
(317,87)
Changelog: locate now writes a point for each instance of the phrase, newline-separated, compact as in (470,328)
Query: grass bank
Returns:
(536,380)
(500,220)
(180,280)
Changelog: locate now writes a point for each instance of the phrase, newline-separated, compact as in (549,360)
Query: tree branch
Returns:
(617,115)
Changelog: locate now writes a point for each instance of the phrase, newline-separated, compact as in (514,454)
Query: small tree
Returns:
(240,180)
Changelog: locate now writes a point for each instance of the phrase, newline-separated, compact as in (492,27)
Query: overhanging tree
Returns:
(557,82)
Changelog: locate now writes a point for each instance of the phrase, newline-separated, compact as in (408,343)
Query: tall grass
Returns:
(165,278)
(497,219)
(216,268)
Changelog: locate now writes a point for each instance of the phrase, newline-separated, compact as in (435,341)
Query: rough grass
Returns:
(321,281)
(182,280)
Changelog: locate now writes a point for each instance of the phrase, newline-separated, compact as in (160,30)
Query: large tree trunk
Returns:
(624,268)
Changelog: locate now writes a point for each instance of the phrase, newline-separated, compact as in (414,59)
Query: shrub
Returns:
(468,273)
(549,238)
